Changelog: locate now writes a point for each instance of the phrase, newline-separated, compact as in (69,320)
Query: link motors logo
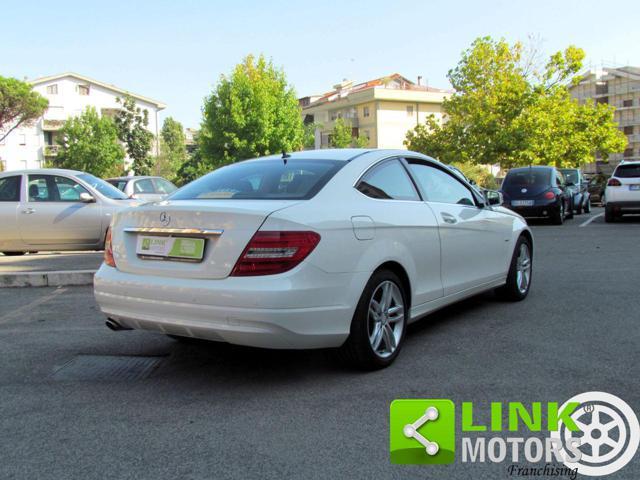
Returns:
(608,433)
(594,434)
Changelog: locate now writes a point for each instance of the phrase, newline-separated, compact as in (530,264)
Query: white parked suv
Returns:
(622,194)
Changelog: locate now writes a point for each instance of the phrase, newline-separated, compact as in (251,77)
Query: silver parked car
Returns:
(149,189)
(54,209)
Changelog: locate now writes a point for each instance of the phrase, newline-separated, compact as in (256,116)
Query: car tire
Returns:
(579,209)
(520,273)
(373,325)
(569,211)
(587,207)
(13,254)
(609,216)
(557,217)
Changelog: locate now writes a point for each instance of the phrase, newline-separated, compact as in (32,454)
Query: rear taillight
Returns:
(549,195)
(614,182)
(269,253)
(108,250)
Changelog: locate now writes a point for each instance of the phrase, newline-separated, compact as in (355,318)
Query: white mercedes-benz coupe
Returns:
(313,249)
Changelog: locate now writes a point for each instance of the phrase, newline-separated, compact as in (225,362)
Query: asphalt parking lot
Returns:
(218,411)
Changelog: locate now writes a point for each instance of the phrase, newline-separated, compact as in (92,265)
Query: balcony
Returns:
(52,125)
(51,150)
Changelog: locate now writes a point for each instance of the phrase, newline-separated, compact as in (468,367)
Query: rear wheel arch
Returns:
(400,271)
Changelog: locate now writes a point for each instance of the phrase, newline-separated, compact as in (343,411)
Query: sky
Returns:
(175,51)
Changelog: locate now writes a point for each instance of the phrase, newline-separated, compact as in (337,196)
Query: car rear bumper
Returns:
(304,308)
(624,206)
(535,211)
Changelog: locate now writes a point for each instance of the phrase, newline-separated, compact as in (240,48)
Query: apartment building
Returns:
(619,87)
(68,94)
(383,109)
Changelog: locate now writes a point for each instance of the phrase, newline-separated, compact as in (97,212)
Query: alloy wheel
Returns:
(385,319)
(523,268)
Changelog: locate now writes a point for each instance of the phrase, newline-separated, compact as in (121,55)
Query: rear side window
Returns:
(164,186)
(627,171)
(263,180)
(388,181)
(144,186)
(10,189)
(119,184)
(528,178)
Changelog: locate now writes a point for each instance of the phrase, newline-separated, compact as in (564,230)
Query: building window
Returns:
(409,110)
(602,88)
(367,134)
(603,100)
(627,103)
(628,130)
(52,89)
(365,112)
(83,89)
(628,153)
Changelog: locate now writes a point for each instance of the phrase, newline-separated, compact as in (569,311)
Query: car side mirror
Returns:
(493,197)
(86,198)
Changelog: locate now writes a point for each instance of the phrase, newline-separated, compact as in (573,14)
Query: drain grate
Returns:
(111,368)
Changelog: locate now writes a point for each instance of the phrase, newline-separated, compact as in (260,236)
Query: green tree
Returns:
(506,110)
(194,167)
(173,152)
(19,105)
(250,113)
(90,143)
(132,123)
(342,136)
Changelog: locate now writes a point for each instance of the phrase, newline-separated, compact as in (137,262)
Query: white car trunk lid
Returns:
(238,220)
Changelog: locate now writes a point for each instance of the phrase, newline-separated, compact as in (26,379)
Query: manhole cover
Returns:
(106,368)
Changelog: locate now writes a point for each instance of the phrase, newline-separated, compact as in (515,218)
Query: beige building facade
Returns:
(383,110)
(619,87)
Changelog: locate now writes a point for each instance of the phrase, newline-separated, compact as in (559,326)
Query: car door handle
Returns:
(29,211)
(448,218)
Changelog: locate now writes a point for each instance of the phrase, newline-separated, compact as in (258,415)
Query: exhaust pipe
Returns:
(115,326)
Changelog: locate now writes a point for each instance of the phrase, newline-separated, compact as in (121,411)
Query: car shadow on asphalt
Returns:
(199,359)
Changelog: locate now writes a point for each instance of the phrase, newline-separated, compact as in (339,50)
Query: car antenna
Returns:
(285,155)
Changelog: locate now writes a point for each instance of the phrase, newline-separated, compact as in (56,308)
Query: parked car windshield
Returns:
(628,171)
(528,177)
(262,180)
(571,175)
(103,187)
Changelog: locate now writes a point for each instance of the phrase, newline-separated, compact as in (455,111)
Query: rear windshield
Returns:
(628,171)
(262,180)
(103,187)
(528,177)
(571,175)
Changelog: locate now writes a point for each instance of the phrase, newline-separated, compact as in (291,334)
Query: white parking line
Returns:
(14,313)
(588,221)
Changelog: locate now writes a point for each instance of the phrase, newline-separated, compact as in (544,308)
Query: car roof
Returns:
(134,177)
(532,167)
(44,171)
(341,154)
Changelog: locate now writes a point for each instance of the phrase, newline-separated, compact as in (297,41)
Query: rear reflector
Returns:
(269,253)
(614,182)
(108,250)
(549,195)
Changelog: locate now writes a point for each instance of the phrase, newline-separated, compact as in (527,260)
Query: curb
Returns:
(47,279)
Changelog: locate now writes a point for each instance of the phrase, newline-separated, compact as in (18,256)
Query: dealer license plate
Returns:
(170,247)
